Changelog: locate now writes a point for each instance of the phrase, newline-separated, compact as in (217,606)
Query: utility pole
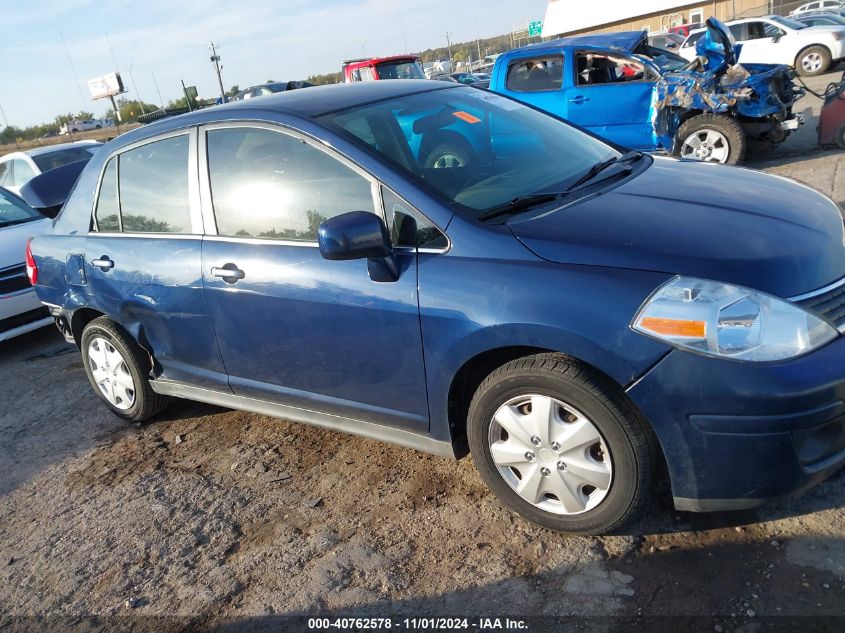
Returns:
(478,45)
(216,59)
(137,96)
(449,45)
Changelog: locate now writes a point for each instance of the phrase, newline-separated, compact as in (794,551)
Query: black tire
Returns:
(821,52)
(622,429)
(98,127)
(840,137)
(74,130)
(729,128)
(147,403)
(448,154)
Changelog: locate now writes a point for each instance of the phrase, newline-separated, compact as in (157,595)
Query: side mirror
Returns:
(359,235)
(776,37)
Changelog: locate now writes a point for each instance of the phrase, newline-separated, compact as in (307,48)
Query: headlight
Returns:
(730,321)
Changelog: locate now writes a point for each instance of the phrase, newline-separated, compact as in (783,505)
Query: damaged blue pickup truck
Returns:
(620,88)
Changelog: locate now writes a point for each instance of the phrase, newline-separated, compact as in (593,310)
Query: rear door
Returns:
(141,258)
(294,328)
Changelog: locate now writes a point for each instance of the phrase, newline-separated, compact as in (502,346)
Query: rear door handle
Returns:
(579,99)
(103,263)
(228,273)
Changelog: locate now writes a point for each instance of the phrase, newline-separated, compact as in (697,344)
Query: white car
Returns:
(80,125)
(18,168)
(774,39)
(818,5)
(20,310)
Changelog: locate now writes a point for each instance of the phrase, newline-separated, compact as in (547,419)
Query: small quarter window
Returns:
(108,211)
(407,225)
(272,185)
(154,187)
(538,74)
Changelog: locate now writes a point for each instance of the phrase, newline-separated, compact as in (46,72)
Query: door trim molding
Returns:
(361,428)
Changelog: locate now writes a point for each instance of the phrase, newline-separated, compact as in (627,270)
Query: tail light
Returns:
(31,268)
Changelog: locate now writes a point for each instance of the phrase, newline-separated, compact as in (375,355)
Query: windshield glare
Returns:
(476,149)
(400,70)
(792,24)
(14,211)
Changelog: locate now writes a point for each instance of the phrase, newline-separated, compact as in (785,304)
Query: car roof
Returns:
(309,103)
(46,149)
(625,41)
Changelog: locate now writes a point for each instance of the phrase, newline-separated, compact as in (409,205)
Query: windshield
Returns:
(61,157)
(476,149)
(787,22)
(400,70)
(15,211)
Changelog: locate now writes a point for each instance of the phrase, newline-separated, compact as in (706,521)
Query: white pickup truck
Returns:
(82,125)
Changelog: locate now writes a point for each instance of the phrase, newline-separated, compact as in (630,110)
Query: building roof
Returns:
(563,16)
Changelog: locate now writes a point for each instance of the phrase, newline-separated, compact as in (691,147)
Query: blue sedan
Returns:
(584,320)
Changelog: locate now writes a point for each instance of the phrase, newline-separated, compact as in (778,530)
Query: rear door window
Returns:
(536,74)
(23,173)
(153,182)
(267,184)
(145,189)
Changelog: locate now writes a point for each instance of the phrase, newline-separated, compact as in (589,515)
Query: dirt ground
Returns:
(225,520)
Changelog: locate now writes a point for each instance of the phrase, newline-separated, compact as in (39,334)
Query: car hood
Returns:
(821,28)
(704,220)
(13,241)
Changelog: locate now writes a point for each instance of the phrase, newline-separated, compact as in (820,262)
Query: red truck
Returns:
(373,68)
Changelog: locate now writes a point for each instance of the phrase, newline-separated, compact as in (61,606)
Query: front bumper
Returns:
(735,435)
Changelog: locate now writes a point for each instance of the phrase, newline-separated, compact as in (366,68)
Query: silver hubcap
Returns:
(111,374)
(706,145)
(448,160)
(550,454)
(812,62)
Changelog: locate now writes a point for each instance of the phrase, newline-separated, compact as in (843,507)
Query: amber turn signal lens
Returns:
(674,327)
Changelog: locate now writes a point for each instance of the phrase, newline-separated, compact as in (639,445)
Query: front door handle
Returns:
(104,263)
(579,99)
(229,273)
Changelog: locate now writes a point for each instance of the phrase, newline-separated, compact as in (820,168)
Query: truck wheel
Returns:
(714,138)
(74,130)
(448,154)
(98,127)
(840,137)
(116,368)
(813,61)
(559,445)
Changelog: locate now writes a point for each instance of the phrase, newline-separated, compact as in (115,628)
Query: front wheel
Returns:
(558,444)
(813,61)
(117,369)
(713,138)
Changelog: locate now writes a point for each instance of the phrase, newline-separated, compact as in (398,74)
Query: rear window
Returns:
(60,157)
(537,74)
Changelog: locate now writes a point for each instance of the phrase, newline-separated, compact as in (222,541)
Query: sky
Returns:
(163,41)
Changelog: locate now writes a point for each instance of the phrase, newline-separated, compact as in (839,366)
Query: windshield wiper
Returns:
(594,171)
(520,203)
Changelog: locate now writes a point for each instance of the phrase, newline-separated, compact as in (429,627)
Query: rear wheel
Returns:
(813,61)
(713,138)
(117,370)
(558,444)
(840,137)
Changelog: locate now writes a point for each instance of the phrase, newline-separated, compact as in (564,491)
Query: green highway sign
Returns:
(535,28)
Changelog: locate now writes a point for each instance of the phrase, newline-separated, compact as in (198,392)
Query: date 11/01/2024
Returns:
(417,624)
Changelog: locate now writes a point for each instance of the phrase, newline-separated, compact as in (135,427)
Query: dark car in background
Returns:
(583,318)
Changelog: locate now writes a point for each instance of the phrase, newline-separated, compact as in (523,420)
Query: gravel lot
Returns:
(209,514)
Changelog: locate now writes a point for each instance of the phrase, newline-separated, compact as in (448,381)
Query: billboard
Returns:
(105,86)
(564,16)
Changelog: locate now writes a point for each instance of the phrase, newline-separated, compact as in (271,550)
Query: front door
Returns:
(611,95)
(294,328)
